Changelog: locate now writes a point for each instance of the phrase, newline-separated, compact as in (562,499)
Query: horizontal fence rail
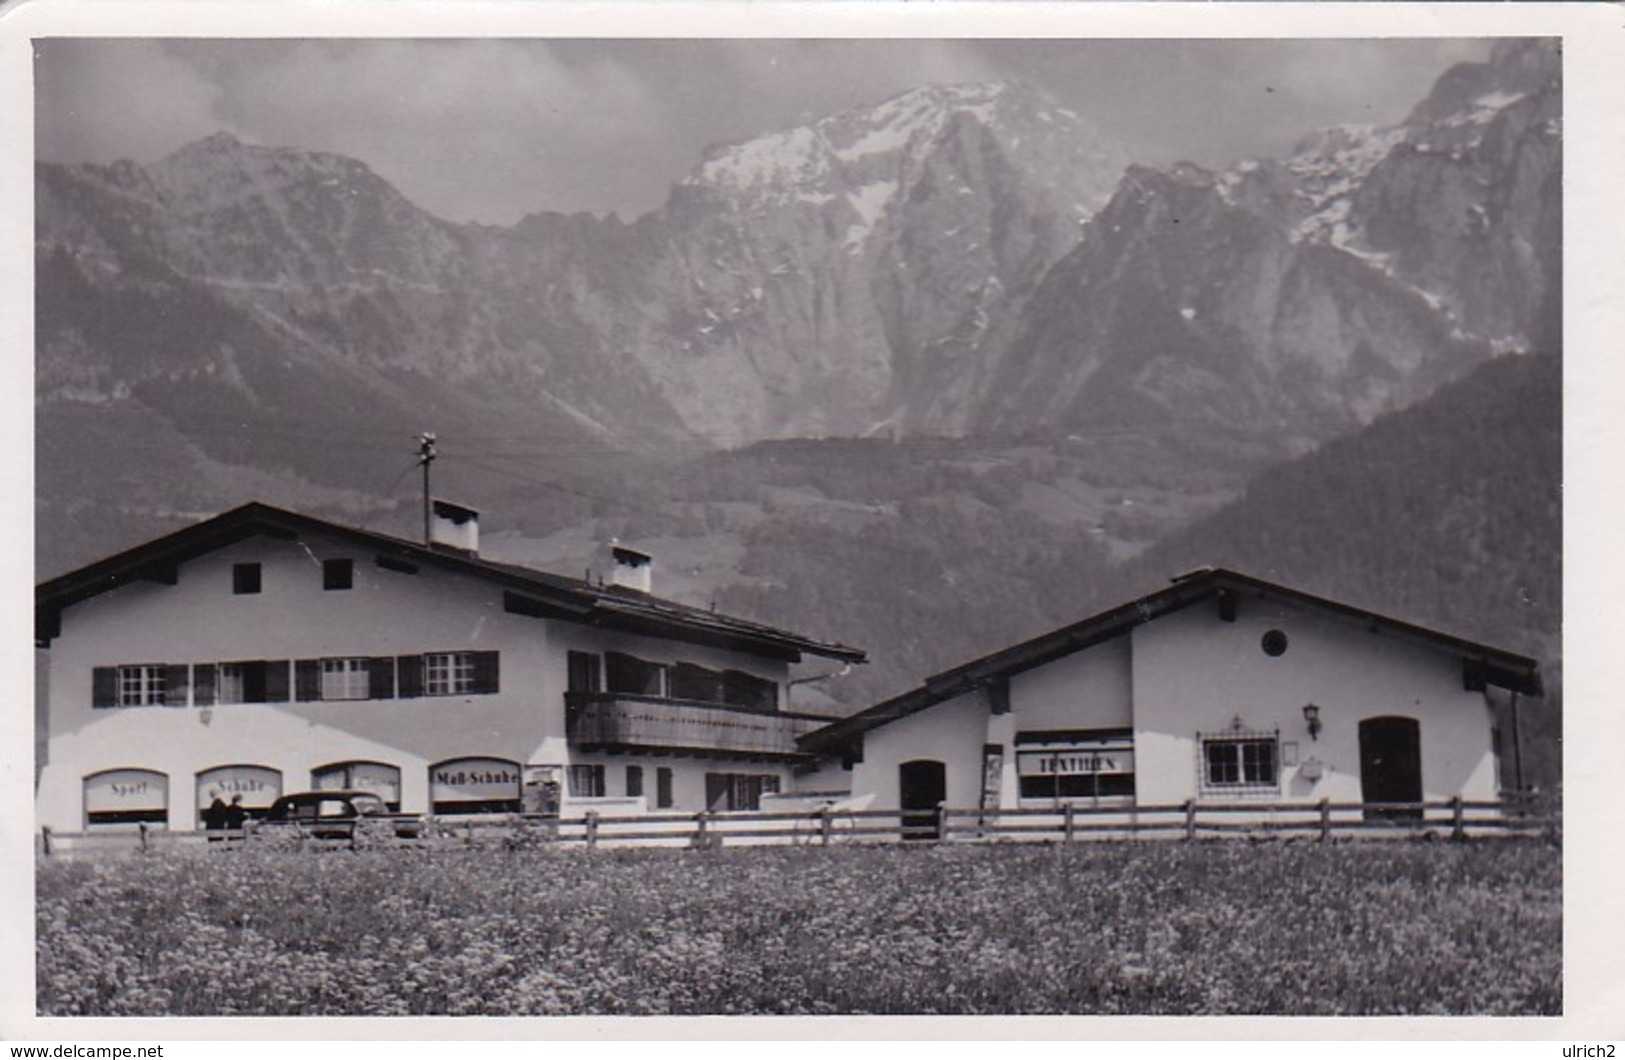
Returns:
(1457,819)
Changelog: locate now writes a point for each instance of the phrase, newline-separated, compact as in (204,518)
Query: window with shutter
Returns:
(634,781)
(251,676)
(245,578)
(141,685)
(276,681)
(486,672)
(585,671)
(633,676)
(344,678)
(177,684)
(104,686)
(663,788)
(203,684)
(409,676)
(381,678)
(307,680)
(337,574)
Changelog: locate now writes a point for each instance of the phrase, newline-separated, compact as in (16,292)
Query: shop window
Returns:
(738,791)
(126,797)
(1240,762)
(254,788)
(474,785)
(586,782)
(1085,764)
(382,780)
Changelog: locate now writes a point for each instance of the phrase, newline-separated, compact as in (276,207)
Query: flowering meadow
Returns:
(1146,928)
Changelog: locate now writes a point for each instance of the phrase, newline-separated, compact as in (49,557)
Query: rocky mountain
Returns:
(965,260)
(1311,293)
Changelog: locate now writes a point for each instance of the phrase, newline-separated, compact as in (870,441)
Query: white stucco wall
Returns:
(950,732)
(1194,673)
(200,620)
(1090,689)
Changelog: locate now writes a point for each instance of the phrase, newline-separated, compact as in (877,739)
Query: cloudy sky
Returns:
(491,129)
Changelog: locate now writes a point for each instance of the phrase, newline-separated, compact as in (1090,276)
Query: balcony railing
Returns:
(621,722)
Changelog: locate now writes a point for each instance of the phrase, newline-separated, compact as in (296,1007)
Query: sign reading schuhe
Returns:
(257,786)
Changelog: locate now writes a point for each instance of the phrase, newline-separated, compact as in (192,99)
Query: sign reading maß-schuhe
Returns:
(474,780)
(124,790)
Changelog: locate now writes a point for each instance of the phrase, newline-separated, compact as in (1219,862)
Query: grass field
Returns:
(1204,928)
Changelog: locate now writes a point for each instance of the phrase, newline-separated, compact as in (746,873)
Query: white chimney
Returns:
(454,527)
(633,569)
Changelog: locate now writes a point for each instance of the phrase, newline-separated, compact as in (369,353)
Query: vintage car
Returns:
(338,814)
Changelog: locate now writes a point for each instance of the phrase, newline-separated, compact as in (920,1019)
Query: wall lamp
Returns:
(1311,715)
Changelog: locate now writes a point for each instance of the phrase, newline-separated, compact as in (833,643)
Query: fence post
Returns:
(592,828)
(1325,820)
(1190,819)
(1458,830)
(1069,822)
(45,840)
(701,839)
(143,827)
(825,825)
(942,822)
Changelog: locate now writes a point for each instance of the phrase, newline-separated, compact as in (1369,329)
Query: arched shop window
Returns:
(377,777)
(126,797)
(256,786)
(474,785)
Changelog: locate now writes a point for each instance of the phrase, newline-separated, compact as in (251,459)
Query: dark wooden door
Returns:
(1391,765)
(922,786)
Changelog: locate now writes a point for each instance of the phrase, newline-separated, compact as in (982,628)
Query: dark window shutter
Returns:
(104,686)
(381,678)
(253,682)
(276,681)
(203,684)
(585,671)
(177,679)
(634,781)
(409,676)
(486,673)
(307,679)
(338,574)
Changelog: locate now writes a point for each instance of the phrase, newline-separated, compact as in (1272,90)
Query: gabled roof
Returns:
(1489,665)
(527,591)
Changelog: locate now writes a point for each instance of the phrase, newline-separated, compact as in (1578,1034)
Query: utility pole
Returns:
(426,455)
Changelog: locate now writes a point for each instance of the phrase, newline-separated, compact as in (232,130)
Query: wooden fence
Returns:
(1456,819)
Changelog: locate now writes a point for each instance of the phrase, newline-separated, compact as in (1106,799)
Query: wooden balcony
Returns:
(613,721)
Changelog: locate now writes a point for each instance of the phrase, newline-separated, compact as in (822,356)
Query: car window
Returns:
(333,808)
(369,805)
